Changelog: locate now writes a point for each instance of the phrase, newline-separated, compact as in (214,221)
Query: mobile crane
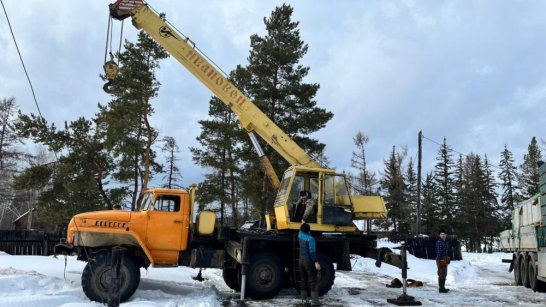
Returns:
(163,232)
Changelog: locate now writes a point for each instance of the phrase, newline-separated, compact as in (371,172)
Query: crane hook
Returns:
(110,71)
(107,87)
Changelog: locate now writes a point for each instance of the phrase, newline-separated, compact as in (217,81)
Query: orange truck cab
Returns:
(161,230)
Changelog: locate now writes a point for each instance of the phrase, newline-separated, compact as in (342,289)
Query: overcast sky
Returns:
(470,71)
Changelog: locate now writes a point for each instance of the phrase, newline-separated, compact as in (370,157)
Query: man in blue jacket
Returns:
(442,260)
(308,264)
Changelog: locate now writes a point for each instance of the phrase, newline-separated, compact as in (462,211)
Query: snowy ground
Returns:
(478,280)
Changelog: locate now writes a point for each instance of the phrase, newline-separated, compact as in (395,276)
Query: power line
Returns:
(21,58)
(453,150)
(24,68)
(433,141)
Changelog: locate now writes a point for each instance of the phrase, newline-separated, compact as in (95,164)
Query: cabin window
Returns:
(336,192)
(168,203)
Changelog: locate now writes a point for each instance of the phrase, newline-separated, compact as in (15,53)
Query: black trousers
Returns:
(308,275)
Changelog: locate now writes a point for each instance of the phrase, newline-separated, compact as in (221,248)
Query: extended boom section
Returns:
(181,48)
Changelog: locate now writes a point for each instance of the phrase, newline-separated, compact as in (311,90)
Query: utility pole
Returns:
(419,157)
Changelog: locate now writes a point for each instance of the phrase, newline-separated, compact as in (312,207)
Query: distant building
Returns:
(29,220)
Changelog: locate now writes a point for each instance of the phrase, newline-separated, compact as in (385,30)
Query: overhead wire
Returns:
(437,143)
(455,151)
(22,62)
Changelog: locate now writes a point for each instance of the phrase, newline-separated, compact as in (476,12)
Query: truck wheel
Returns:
(231,278)
(96,278)
(524,272)
(265,277)
(327,274)
(517,275)
(534,283)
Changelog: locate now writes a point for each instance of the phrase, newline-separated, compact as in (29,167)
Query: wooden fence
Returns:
(28,242)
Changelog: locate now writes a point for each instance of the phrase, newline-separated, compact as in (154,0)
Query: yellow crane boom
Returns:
(252,119)
(335,209)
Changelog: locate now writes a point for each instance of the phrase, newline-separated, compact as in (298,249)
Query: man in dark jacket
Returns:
(304,209)
(308,265)
(442,261)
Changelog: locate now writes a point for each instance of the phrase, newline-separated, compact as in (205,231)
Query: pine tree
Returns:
(529,176)
(323,159)
(364,182)
(460,189)
(445,187)
(11,159)
(9,154)
(173,177)
(124,121)
(471,201)
(411,195)
(478,202)
(429,219)
(393,185)
(491,206)
(508,176)
(115,145)
(219,150)
(276,86)
(77,181)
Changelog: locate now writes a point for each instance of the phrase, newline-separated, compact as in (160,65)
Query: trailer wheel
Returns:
(517,275)
(265,277)
(524,271)
(96,278)
(327,274)
(231,278)
(534,283)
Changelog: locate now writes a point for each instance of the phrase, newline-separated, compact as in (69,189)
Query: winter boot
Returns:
(442,286)
(314,298)
(445,289)
(304,297)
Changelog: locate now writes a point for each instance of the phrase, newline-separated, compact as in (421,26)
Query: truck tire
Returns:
(265,277)
(524,271)
(534,283)
(232,278)
(327,274)
(517,275)
(96,278)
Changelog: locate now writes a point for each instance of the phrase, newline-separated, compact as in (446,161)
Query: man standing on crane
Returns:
(309,265)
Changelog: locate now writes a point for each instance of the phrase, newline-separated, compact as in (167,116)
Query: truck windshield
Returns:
(147,201)
(281,195)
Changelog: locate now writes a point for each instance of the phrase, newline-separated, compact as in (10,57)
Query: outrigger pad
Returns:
(404,300)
